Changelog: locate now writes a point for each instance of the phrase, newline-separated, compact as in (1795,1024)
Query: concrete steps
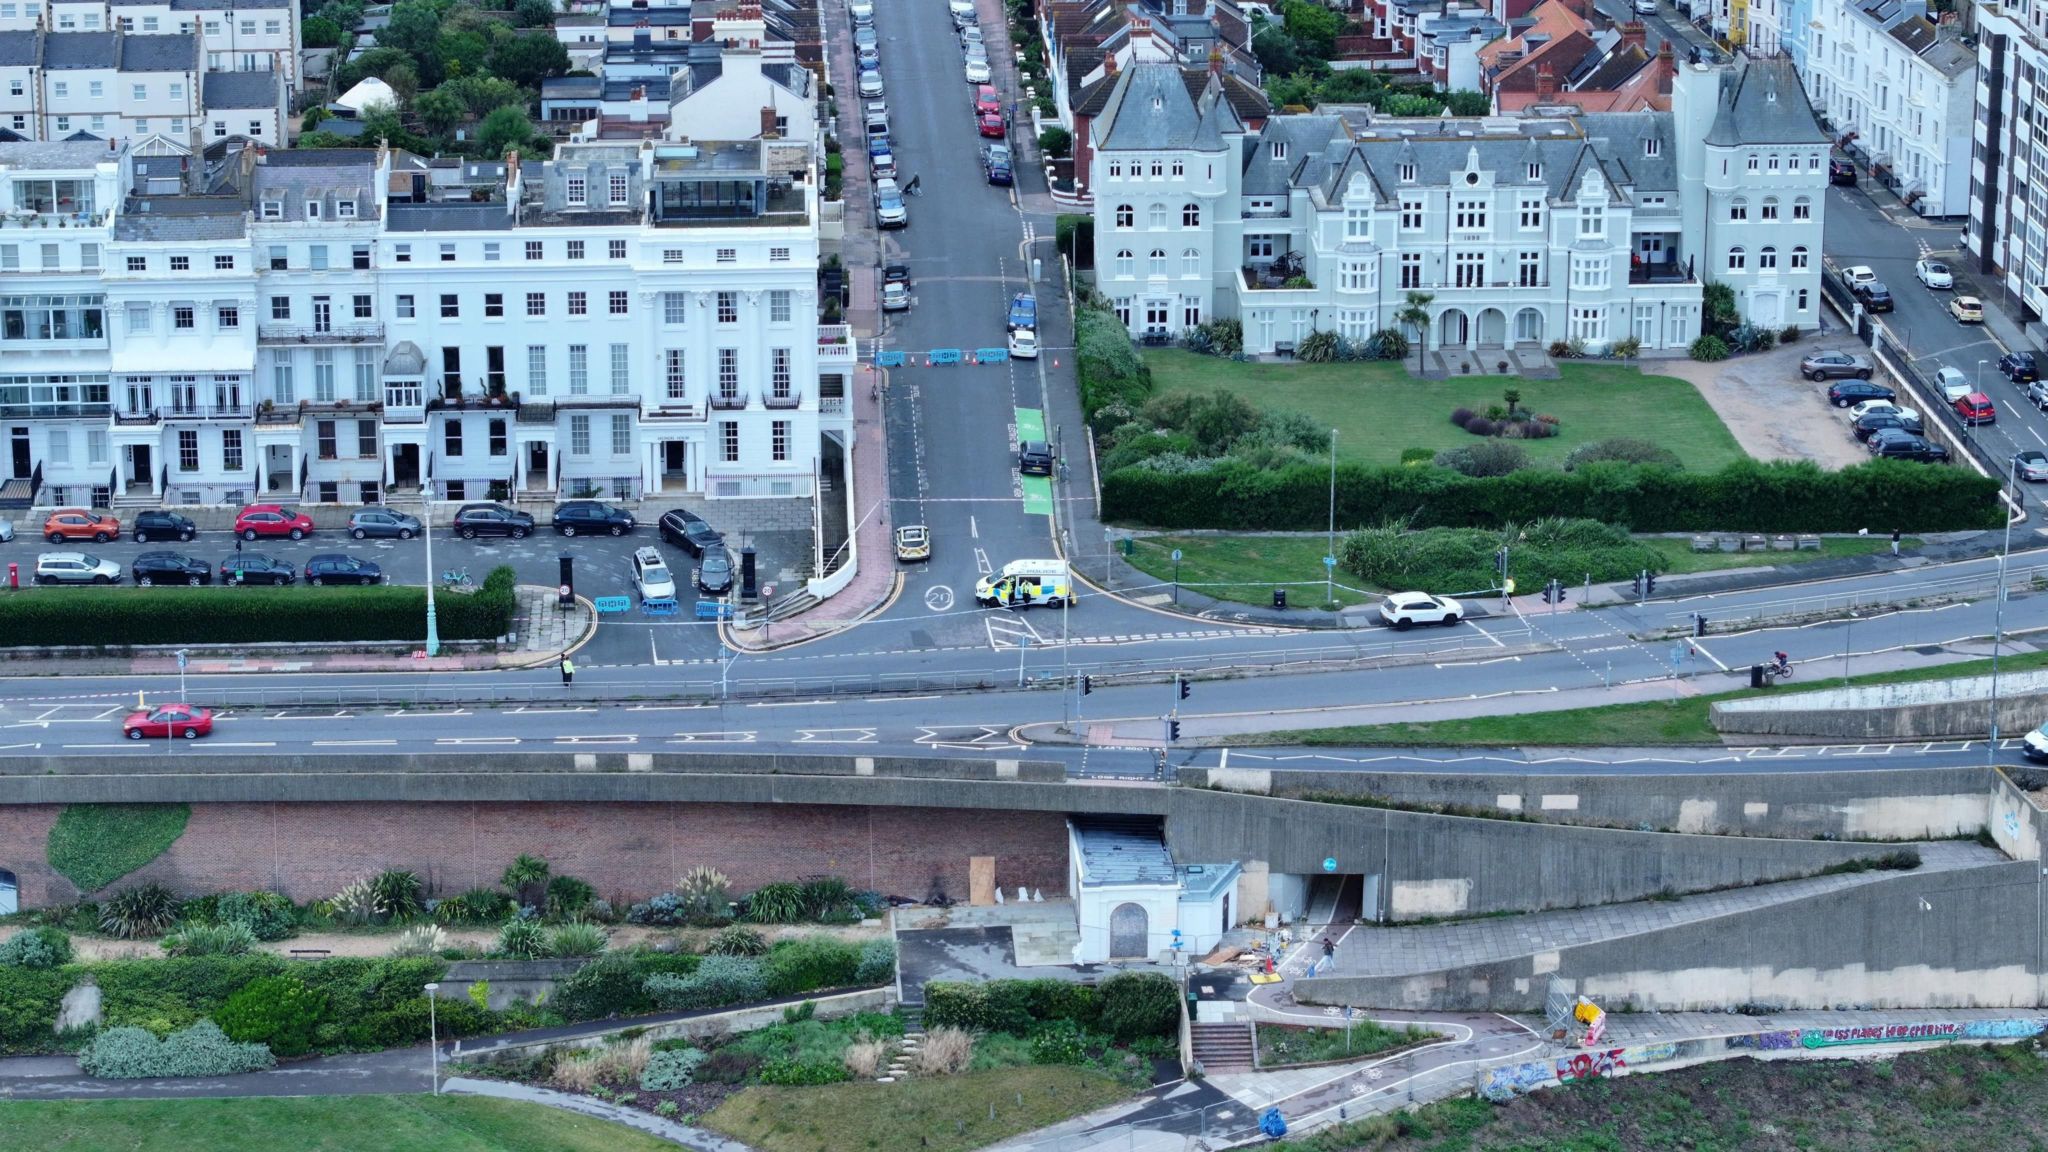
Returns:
(1223,1047)
(906,1048)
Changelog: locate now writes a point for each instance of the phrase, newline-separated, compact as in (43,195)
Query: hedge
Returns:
(50,617)
(1747,496)
(1013,1006)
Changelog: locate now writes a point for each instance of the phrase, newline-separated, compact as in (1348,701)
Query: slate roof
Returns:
(449,217)
(1762,102)
(327,175)
(175,218)
(207,5)
(29,155)
(124,52)
(20,49)
(1152,109)
(1122,851)
(65,51)
(240,90)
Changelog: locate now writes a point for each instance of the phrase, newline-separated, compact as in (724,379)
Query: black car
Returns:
(1034,458)
(1874,422)
(163,526)
(688,531)
(590,518)
(474,520)
(1852,392)
(896,274)
(1898,444)
(714,571)
(1874,296)
(2020,367)
(1842,172)
(251,568)
(169,568)
(337,569)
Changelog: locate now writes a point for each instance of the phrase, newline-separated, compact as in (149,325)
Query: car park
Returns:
(1024,310)
(151,568)
(871,84)
(2031,465)
(991,126)
(94,524)
(1849,392)
(1403,610)
(474,520)
(1023,344)
(651,575)
(2019,367)
(1835,364)
(273,520)
(2035,744)
(382,523)
(889,209)
(986,99)
(1863,427)
(714,571)
(1856,274)
(1859,411)
(156,524)
(1966,310)
(1934,274)
(895,298)
(1035,458)
(1977,408)
(976,71)
(334,568)
(913,542)
(1898,444)
(75,568)
(168,721)
(1954,384)
(1842,172)
(689,531)
(591,518)
(1874,296)
(255,568)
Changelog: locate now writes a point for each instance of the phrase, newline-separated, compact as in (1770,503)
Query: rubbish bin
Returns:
(1756,676)
(1124,545)
(1280,598)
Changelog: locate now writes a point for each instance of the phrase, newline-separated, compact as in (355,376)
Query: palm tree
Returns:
(527,877)
(1416,316)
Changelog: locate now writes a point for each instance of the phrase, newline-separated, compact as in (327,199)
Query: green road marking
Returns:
(1037,489)
(1030,424)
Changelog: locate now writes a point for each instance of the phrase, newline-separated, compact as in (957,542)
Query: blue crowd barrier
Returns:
(660,607)
(713,610)
(991,355)
(609,604)
(943,356)
(889,359)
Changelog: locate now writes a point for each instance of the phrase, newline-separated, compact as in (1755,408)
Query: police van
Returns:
(1024,583)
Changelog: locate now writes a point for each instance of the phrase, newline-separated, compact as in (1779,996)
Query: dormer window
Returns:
(345,209)
(1279,149)
(1535,171)
(273,210)
(1407,173)
(1652,146)
(576,192)
(312,209)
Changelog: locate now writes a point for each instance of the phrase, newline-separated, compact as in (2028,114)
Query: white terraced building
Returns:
(1591,228)
(628,319)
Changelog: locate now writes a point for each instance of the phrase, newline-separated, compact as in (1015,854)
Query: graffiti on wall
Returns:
(1504,1083)
(1591,1065)
(1928,1033)
(1508,1081)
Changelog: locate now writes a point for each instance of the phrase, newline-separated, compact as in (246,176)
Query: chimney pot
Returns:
(1546,84)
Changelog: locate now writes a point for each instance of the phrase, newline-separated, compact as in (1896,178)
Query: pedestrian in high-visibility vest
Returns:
(568,671)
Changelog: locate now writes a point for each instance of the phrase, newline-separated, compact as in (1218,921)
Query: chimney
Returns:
(1632,33)
(1141,37)
(1666,68)
(636,107)
(768,122)
(700,26)
(1216,60)
(1546,84)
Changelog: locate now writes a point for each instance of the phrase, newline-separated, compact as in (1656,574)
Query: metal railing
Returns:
(1720,616)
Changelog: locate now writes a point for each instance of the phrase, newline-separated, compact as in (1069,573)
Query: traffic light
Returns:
(1185,689)
(1639,584)
(1086,686)
(1173,729)
(1553,592)
(1650,582)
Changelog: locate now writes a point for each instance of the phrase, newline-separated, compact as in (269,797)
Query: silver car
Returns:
(75,568)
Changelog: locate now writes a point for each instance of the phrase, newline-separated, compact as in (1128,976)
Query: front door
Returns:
(24,463)
(405,465)
(537,464)
(138,464)
(674,458)
(1127,931)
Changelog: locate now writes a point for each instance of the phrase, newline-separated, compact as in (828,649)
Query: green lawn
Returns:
(1683,559)
(1378,409)
(1283,1044)
(311,1124)
(936,1114)
(1610,726)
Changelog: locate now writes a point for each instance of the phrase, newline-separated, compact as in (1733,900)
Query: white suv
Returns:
(1403,609)
(652,577)
(75,568)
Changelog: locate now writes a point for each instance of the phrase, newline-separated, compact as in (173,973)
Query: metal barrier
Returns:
(942,356)
(665,606)
(991,355)
(1847,600)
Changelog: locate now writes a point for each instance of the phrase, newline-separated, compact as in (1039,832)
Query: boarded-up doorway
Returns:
(1127,932)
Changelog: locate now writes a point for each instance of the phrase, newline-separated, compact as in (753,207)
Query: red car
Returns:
(81,524)
(1976,408)
(991,124)
(272,520)
(186,720)
(986,100)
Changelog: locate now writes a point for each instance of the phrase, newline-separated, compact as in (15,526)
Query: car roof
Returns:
(644,555)
(62,556)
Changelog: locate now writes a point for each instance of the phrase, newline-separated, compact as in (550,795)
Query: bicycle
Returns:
(457,580)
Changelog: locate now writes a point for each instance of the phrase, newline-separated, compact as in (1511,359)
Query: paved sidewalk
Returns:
(653,1125)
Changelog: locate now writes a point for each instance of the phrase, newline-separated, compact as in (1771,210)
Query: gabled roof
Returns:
(241,90)
(1152,108)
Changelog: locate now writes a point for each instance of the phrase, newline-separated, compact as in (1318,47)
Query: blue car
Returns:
(1024,311)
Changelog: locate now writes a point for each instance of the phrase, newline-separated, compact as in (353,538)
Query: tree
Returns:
(314,115)
(374,62)
(1055,141)
(1466,102)
(1415,314)
(1513,396)
(460,52)
(504,130)
(483,95)
(1312,27)
(534,13)
(320,32)
(404,80)
(440,110)
(413,28)
(528,58)
(527,877)
(1274,48)
(384,125)
(1717,313)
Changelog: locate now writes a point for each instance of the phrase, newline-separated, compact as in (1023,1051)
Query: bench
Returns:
(311,953)
(1284,348)
(1156,340)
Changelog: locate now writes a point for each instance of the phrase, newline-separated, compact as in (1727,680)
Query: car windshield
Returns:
(655,574)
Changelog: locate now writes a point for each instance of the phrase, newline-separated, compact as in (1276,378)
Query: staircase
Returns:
(17,494)
(1223,1047)
(906,1049)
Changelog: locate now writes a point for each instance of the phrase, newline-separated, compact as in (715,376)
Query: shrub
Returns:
(1482,426)
(201,1050)
(522,940)
(278,1011)
(795,1072)
(1226,337)
(1058,1042)
(737,940)
(93,845)
(29,1001)
(569,941)
(167,994)
(356,903)
(1413,456)
(877,963)
(1109,369)
(1491,458)
(476,906)
(1055,141)
(43,947)
(1461,416)
(1136,1004)
(952,1004)
(1789,334)
(567,896)
(614,984)
(825,895)
(945,1052)
(864,1057)
(727,1065)
(267,915)
(420,940)
(211,940)
(717,982)
(705,895)
(812,962)
(1562,350)
(141,912)
(585,1069)
(670,1069)
(527,877)
(778,903)
(386,1005)
(1386,344)
(1708,348)
(1318,347)
(398,894)
(1621,449)
(1627,348)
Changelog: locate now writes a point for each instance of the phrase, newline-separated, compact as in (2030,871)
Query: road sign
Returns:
(1329,561)
(1176,555)
(1329,863)
(183,659)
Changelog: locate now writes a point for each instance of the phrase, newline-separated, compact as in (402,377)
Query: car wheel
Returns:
(359,534)
(103,579)
(42,580)
(519,533)
(193,581)
(100,537)
(298,534)
(315,581)
(144,582)
(469,533)
(1403,624)
(141,537)
(1816,377)
(1863,374)
(1842,403)
(249,534)
(405,533)
(56,537)
(190,733)
(566,529)
(617,530)
(135,733)
(1450,619)
(186,535)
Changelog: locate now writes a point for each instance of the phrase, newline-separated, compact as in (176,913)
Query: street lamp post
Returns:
(427,531)
(1998,612)
(1848,637)
(1330,573)
(433,1039)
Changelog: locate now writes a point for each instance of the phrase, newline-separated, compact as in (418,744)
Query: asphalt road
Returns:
(1666,24)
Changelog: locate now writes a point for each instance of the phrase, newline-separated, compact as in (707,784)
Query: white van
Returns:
(1023,583)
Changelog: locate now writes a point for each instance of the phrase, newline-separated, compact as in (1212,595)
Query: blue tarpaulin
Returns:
(1272,1125)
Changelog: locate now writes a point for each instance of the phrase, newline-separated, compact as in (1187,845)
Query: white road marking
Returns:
(597,739)
(241,744)
(350,743)
(835,736)
(95,745)
(789,703)
(973,529)
(713,738)
(477,740)
(981,562)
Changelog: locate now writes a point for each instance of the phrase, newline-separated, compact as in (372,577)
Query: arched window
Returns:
(1191,262)
(1155,216)
(1767,260)
(1156,266)
(1126,264)
(1116,169)
(1738,209)
(1802,209)
(1125,218)
(1191,216)
(1798,259)
(1179,169)
(1736,260)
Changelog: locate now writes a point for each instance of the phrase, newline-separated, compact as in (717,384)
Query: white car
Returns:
(6,531)
(651,576)
(889,209)
(1870,407)
(895,297)
(970,33)
(1859,274)
(1934,274)
(1023,344)
(1404,609)
(976,72)
(1954,384)
(1646,7)
(960,10)
(75,568)
(861,10)
(871,84)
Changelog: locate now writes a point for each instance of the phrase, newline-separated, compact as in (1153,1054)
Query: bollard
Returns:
(1280,598)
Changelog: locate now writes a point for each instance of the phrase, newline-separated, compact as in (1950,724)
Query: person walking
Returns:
(1329,949)
(568,670)
(1895,541)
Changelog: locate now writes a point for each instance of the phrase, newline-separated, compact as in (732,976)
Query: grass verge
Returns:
(1378,409)
(1681,558)
(939,1114)
(1651,722)
(1283,1044)
(313,1124)
(93,845)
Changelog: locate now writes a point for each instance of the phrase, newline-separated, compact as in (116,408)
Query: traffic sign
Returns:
(1176,555)
(1329,561)
(1329,863)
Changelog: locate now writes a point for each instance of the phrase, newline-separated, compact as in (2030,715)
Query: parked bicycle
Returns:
(457,580)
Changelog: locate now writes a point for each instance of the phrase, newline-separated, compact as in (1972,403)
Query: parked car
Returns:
(1035,458)
(474,520)
(2020,367)
(1873,295)
(1645,7)
(2031,465)
(896,274)
(970,32)
(1863,427)
(987,99)
(882,165)
(1842,172)
(1898,444)
(1402,610)
(2037,393)
(1954,384)
(1859,411)
(1856,274)
(976,71)
(1977,408)
(2035,744)
(180,721)
(895,298)
(714,571)
(974,49)
(1834,364)
(1849,392)
(152,568)
(867,56)
(688,531)
(991,126)
(995,164)
(159,525)
(6,531)
(871,84)
(94,524)
(591,518)
(960,10)
(1934,274)
(272,520)
(383,523)
(1023,344)
(651,576)
(889,209)
(1966,310)
(1024,310)
(862,11)
(913,542)
(334,568)
(255,568)
(75,568)
(864,36)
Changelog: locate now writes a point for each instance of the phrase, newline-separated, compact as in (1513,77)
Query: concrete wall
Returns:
(2015,823)
(1913,804)
(1460,866)
(1924,709)
(489,1050)
(1967,938)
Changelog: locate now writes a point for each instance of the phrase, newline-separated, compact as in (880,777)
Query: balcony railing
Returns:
(1662,272)
(599,400)
(52,411)
(728,401)
(835,342)
(53,220)
(207,411)
(787,400)
(1262,279)
(357,332)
